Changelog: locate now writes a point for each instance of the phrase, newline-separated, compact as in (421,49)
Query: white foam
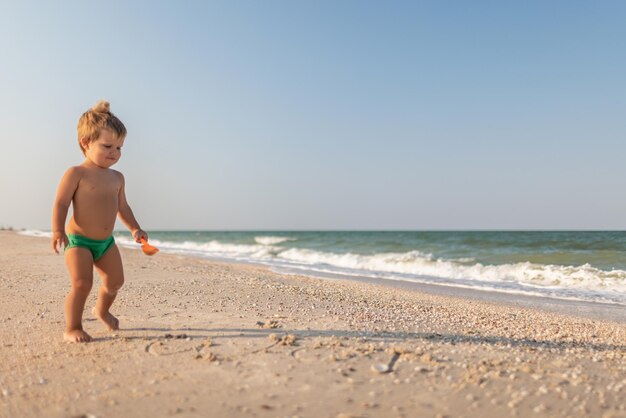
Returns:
(419,264)
(586,281)
(35,233)
(415,264)
(212,248)
(272,240)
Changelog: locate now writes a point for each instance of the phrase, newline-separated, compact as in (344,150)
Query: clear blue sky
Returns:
(325,114)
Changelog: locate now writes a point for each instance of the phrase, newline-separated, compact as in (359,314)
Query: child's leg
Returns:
(79,262)
(112,273)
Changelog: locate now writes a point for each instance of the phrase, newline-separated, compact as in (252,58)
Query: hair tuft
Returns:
(102,107)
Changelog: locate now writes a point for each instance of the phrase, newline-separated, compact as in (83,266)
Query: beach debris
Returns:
(177,336)
(208,342)
(380,368)
(271,324)
(331,342)
(200,352)
(287,339)
(207,356)
(386,368)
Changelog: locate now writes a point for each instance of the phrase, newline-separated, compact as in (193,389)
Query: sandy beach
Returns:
(201,338)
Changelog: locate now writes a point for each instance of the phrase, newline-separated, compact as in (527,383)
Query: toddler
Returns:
(97,195)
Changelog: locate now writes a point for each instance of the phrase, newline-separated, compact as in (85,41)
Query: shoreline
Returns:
(585,309)
(201,337)
(596,300)
(581,308)
(613,311)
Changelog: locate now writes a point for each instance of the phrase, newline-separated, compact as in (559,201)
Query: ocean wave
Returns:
(419,264)
(212,248)
(272,240)
(586,281)
(35,233)
(414,263)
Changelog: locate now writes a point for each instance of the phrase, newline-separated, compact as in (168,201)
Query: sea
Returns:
(577,265)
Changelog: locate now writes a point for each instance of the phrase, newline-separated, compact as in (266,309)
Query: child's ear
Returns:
(84,142)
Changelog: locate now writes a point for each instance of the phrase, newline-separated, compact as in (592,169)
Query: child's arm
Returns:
(127,217)
(62,203)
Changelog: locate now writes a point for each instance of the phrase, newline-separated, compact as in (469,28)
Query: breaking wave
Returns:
(583,282)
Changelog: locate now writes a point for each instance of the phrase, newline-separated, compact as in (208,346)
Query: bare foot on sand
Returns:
(76,336)
(107,319)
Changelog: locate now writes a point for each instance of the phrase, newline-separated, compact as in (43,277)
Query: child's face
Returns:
(106,150)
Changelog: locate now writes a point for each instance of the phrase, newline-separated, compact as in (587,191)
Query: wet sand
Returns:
(202,338)
(585,309)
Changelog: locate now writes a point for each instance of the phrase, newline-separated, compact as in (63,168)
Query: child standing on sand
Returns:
(97,195)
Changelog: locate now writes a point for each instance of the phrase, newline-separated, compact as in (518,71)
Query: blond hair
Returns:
(93,121)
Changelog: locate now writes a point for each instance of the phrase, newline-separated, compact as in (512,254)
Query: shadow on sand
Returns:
(390,337)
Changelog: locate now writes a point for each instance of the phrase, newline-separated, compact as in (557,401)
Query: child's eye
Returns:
(107,146)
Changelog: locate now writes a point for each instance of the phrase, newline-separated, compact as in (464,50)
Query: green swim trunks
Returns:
(96,246)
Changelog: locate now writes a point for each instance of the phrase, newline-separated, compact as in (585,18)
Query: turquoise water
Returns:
(589,266)
(604,250)
(572,265)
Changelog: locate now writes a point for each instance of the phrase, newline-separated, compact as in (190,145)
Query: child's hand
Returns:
(59,241)
(138,234)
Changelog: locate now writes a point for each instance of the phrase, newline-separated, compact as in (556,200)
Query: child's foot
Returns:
(76,336)
(107,319)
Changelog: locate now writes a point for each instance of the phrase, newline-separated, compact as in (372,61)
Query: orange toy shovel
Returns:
(147,248)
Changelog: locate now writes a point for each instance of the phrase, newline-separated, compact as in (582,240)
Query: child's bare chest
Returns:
(99,186)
